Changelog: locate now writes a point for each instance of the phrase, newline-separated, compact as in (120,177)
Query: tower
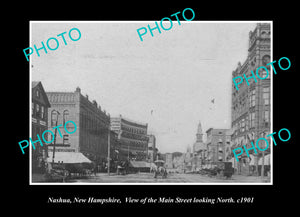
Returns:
(199,135)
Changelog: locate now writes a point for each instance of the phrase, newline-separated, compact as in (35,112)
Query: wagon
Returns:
(224,169)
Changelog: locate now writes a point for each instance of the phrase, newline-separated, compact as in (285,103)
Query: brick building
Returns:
(39,118)
(250,108)
(91,136)
(218,145)
(132,136)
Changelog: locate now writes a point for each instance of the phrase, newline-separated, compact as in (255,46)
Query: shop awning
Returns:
(266,160)
(68,158)
(139,164)
(252,159)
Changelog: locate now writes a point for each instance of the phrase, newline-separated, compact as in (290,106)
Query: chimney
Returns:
(95,103)
(78,89)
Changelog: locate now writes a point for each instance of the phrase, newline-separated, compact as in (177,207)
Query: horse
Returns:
(160,171)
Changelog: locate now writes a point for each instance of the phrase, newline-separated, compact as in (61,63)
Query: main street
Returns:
(172,178)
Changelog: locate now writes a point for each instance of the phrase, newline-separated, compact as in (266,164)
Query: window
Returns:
(38,110)
(266,95)
(66,139)
(42,112)
(243,125)
(247,123)
(266,116)
(252,98)
(53,118)
(65,116)
(32,109)
(252,119)
(37,93)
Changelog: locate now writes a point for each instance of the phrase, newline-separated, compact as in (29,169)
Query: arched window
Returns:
(65,116)
(53,118)
(32,107)
(42,112)
(37,111)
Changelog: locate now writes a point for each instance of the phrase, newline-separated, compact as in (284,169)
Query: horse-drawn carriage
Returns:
(159,169)
(122,168)
(218,169)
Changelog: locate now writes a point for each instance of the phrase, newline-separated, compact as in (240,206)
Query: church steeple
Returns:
(199,135)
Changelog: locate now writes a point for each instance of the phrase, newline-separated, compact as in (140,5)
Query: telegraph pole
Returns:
(54,142)
(263,154)
(262,165)
(108,151)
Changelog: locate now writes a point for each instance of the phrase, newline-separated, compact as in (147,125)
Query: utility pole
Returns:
(54,142)
(262,165)
(128,151)
(263,154)
(108,151)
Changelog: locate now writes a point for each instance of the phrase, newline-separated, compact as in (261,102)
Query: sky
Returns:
(168,80)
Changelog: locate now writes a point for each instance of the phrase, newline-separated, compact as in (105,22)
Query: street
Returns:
(172,178)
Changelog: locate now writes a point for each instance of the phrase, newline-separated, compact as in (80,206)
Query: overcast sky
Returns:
(167,81)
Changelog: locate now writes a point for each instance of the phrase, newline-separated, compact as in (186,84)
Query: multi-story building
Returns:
(218,145)
(152,150)
(169,160)
(178,161)
(39,118)
(133,137)
(91,135)
(250,108)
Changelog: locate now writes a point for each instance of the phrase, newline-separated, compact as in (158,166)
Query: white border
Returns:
(159,183)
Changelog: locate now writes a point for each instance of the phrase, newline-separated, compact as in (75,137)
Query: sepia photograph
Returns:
(150,102)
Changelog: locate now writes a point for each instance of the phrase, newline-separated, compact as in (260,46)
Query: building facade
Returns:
(91,135)
(218,145)
(39,118)
(169,161)
(132,136)
(152,150)
(250,107)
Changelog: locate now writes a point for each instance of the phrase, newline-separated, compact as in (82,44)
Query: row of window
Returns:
(240,106)
(55,117)
(38,111)
(249,121)
(133,130)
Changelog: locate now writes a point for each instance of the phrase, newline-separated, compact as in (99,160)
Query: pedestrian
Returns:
(95,170)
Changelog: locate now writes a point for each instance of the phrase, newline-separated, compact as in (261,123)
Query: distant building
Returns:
(178,161)
(152,150)
(133,137)
(218,145)
(199,149)
(39,118)
(91,136)
(250,107)
(188,159)
(169,161)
